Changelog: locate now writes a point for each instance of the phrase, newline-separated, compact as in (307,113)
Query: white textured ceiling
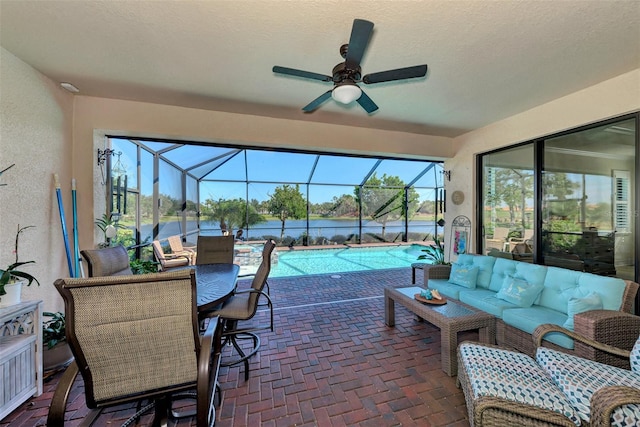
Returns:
(487,59)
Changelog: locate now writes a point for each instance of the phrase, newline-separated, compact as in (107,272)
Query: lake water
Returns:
(326,228)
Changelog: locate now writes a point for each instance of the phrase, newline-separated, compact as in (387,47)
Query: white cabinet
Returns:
(20,354)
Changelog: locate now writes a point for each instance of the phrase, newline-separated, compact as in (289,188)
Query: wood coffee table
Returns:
(450,318)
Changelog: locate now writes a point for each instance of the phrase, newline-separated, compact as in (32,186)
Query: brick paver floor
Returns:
(331,361)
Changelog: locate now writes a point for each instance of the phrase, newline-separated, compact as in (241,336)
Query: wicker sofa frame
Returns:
(605,326)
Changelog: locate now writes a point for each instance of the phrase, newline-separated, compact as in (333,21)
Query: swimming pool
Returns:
(343,259)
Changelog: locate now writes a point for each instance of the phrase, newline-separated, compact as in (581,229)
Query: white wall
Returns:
(35,134)
(611,98)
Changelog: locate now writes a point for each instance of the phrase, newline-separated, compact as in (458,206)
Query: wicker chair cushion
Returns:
(513,376)
(634,358)
(579,378)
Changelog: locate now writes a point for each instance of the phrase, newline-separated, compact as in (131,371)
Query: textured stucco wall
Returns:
(607,99)
(35,134)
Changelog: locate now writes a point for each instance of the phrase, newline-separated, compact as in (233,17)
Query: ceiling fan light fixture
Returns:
(346,94)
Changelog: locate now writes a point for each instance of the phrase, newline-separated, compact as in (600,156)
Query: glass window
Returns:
(587,200)
(508,178)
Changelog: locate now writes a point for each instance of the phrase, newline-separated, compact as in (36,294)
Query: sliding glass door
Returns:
(568,200)
(588,182)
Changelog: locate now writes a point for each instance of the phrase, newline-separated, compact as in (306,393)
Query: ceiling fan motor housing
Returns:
(341,72)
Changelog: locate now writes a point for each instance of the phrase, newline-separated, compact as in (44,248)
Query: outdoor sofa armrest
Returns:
(436,271)
(542,330)
(610,327)
(607,399)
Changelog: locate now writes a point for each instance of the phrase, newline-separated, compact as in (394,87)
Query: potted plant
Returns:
(11,278)
(434,253)
(57,352)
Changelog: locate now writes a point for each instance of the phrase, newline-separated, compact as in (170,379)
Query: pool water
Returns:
(343,259)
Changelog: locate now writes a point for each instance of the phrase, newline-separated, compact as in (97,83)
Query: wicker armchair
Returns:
(504,387)
(134,338)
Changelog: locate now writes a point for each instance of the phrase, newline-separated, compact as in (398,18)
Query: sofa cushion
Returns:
(446,288)
(463,275)
(518,291)
(561,284)
(485,300)
(484,264)
(512,376)
(533,273)
(528,319)
(579,378)
(579,305)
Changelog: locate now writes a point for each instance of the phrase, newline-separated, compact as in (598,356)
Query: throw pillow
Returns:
(579,305)
(518,291)
(463,275)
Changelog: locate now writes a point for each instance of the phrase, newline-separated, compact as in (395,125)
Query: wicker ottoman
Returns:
(507,388)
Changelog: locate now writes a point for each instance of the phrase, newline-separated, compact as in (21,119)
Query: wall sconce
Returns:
(447,175)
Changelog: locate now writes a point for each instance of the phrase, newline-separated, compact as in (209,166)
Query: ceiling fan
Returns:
(346,74)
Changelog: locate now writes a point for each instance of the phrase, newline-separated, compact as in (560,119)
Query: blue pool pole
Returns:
(65,235)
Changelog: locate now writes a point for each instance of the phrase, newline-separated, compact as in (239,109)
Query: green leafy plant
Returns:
(53,331)
(12,274)
(105,224)
(434,253)
(139,266)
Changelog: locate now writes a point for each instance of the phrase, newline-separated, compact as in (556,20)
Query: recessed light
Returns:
(68,86)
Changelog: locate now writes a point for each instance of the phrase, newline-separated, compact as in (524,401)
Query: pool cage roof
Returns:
(243,164)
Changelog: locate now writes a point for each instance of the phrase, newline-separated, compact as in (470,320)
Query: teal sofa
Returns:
(524,296)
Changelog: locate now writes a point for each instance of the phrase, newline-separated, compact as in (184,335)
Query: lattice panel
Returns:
(23,324)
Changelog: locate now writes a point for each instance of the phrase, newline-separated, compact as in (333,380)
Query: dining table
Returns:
(215,283)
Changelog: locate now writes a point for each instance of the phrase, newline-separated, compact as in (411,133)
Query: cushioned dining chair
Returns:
(243,306)
(215,250)
(169,261)
(111,261)
(175,243)
(137,337)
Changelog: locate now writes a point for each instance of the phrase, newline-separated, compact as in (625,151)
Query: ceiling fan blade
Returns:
(317,102)
(367,103)
(301,73)
(397,74)
(360,34)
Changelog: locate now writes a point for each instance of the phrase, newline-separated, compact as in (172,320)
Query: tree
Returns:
(287,202)
(383,199)
(231,214)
